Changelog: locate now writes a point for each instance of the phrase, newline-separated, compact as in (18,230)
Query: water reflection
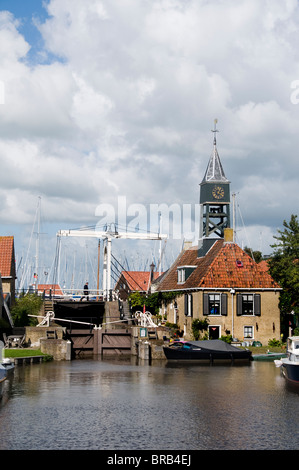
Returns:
(129,404)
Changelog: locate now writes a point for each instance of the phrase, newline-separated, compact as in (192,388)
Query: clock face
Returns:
(218,192)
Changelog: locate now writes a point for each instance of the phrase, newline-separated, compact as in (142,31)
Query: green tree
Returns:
(284,268)
(28,304)
(255,255)
(152,302)
(137,300)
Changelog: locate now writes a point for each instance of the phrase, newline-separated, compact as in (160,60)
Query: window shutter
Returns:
(186,304)
(257,304)
(223,304)
(239,304)
(191,305)
(188,301)
(206,304)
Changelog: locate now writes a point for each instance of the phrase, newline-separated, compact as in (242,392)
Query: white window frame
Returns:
(248,327)
(181,275)
(219,304)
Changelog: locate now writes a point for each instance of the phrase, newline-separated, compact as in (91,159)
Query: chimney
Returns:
(152,266)
(228,235)
(187,245)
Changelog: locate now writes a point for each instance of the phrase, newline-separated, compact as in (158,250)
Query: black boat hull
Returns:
(183,353)
(291,371)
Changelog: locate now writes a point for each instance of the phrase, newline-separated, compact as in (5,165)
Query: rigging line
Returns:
(249,244)
(114,278)
(141,288)
(245,271)
(22,281)
(50,270)
(86,227)
(92,266)
(56,261)
(117,271)
(125,229)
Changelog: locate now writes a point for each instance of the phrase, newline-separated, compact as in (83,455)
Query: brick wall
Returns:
(265,327)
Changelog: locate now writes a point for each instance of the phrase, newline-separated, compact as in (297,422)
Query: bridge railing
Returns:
(75,295)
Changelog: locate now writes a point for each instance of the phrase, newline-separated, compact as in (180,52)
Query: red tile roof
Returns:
(264,265)
(137,280)
(225,265)
(55,288)
(7,257)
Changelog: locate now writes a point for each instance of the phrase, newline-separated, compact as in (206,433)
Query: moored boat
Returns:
(206,350)
(269,356)
(3,374)
(6,364)
(290,364)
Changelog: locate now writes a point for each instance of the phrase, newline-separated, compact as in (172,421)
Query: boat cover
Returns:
(214,344)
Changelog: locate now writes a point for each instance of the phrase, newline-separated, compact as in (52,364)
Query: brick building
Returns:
(216,279)
(227,287)
(134,281)
(7,276)
(8,267)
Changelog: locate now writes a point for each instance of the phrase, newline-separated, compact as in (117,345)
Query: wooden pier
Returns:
(27,360)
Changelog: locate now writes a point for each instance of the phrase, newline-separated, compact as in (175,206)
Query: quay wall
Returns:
(145,343)
(34,334)
(60,349)
(50,341)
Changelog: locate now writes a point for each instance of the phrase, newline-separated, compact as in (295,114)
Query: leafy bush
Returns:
(175,331)
(199,326)
(28,304)
(274,342)
(227,338)
(152,302)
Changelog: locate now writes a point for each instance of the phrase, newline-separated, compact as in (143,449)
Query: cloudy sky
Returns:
(102,99)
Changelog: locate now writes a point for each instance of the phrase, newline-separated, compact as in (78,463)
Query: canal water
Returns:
(100,404)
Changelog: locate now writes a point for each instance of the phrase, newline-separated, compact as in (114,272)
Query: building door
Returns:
(214,332)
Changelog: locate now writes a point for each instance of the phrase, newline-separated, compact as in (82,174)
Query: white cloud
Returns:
(90,109)
(12,45)
(126,105)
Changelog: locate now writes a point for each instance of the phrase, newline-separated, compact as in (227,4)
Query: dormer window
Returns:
(181,275)
(184,272)
(239,263)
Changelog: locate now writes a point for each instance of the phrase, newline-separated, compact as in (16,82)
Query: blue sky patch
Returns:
(28,12)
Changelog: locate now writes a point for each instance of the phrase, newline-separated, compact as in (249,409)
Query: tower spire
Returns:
(215,130)
(214,171)
(214,198)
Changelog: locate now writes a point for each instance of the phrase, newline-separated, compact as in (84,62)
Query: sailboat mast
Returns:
(234,217)
(98,271)
(37,242)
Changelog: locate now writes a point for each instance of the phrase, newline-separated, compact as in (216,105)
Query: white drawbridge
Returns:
(107,236)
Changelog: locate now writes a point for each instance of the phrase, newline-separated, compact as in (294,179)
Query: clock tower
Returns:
(214,199)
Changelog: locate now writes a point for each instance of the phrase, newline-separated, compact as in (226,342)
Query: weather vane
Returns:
(215,130)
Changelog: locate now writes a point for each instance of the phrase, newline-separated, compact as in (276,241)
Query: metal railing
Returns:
(71,294)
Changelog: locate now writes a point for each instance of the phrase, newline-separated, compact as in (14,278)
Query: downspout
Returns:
(232,291)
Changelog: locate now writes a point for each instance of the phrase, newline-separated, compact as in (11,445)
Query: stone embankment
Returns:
(50,341)
(146,343)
